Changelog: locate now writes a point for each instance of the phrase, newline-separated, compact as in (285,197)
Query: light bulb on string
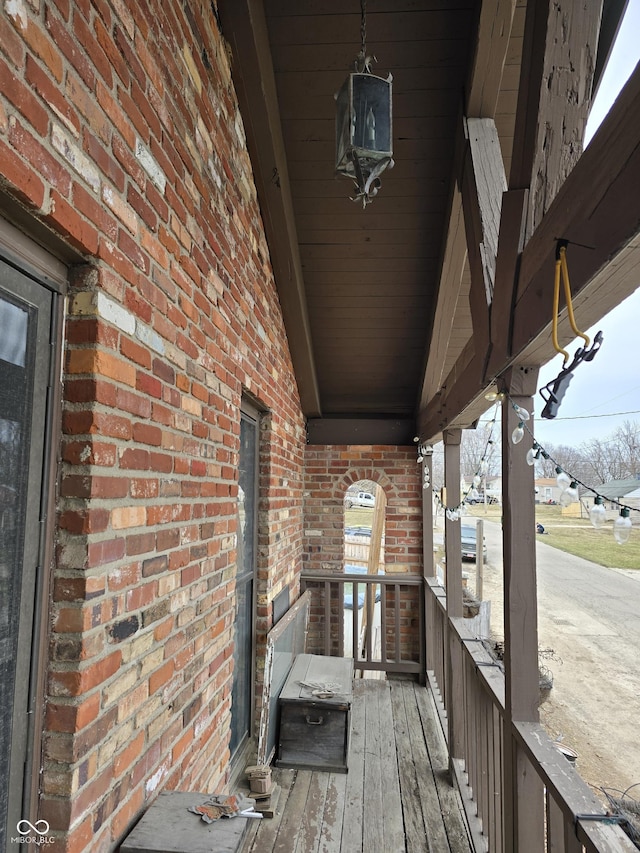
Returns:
(570,494)
(597,513)
(563,479)
(622,527)
(518,434)
(533,454)
(453,514)
(523,414)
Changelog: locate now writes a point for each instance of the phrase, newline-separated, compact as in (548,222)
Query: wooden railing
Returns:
(547,807)
(376,619)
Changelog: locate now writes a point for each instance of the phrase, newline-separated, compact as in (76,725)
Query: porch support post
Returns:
(452,537)
(453,583)
(428,563)
(523,791)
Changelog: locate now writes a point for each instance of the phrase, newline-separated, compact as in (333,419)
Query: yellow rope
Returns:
(556,301)
(567,294)
(562,269)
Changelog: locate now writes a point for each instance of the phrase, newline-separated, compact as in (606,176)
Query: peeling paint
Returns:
(17,11)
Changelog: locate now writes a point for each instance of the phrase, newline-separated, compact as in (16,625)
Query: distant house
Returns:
(547,490)
(625,491)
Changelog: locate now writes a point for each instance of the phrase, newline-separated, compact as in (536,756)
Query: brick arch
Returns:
(329,471)
(355,475)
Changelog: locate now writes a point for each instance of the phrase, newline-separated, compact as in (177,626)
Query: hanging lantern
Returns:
(363,125)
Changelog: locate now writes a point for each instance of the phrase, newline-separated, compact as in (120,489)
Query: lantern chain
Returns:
(363,26)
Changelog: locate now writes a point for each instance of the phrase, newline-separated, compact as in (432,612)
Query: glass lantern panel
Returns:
(372,113)
(343,131)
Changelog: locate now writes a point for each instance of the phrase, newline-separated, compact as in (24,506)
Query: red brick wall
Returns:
(328,473)
(119,130)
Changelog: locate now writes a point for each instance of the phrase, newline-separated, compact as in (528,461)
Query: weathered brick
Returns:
(25,184)
(44,48)
(156,612)
(64,218)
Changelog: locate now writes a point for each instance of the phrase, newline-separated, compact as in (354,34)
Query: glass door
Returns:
(243,653)
(25,352)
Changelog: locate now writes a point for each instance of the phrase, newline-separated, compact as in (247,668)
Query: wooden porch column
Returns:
(453,584)
(523,806)
(428,563)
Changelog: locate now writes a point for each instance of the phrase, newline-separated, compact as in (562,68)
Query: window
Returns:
(27,311)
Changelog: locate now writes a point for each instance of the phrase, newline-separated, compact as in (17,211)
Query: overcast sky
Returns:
(606,391)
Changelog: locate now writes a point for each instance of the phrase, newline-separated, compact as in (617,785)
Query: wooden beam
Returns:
(377,529)
(494,30)
(483,184)
(455,258)
(554,97)
(597,206)
(510,245)
(245,29)
(361,430)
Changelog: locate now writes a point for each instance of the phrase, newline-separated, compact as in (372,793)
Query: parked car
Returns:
(360,499)
(480,498)
(348,589)
(469,544)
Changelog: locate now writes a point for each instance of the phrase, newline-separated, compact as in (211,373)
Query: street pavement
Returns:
(589,627)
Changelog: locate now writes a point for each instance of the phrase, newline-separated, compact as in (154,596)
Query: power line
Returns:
(589,417)
(580,417)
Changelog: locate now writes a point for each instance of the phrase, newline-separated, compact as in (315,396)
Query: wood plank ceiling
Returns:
(370,276)
(360,288)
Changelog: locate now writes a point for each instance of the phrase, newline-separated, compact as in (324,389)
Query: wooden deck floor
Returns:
(396,797)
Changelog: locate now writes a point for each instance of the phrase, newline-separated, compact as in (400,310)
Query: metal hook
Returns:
(556,389)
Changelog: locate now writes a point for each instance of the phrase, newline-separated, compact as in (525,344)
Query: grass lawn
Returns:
(358,516)
(578,536)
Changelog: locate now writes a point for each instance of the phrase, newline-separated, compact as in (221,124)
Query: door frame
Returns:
(47,271)
(251,411)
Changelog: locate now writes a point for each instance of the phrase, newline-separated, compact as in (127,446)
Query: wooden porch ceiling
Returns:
(382,317)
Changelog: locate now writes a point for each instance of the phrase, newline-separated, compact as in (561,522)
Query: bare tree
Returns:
(616,457)
(476,445)
(570,459)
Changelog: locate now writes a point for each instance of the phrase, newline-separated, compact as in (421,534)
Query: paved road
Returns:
(590,617)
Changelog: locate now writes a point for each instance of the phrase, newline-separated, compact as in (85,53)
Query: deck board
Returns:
(396,798)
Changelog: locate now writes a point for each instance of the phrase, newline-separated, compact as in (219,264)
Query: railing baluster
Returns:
(327,618)
(355,632)
(397,622)
(383,625)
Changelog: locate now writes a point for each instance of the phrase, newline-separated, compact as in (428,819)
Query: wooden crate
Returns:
(315,728)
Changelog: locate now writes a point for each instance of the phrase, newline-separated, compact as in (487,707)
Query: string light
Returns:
(533,454)
(453,513)
(597,513)
(622,526)
(570,494)
(518,434)
(424,450)
(568,485)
